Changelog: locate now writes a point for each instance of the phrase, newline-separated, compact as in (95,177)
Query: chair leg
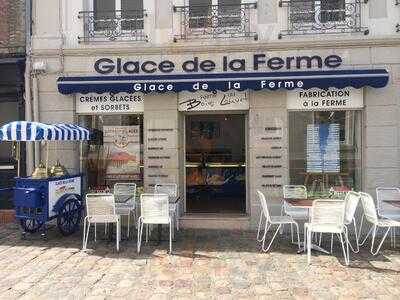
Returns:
(95,232)
(87,235)
(305,236)
(170,236)
(84,234)
(259,228)
(147,233)
(357,248)
(309,237)
(298,235)
(393,237)
(380,244)
(331,243)
(177,219)
(366,237)
(140,232)
(272,240)
(105,229)
(118,232)
(343,248)
(291,231)
(129,224)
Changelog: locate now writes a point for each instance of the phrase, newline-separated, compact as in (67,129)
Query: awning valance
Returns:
(325,79)
(35,131)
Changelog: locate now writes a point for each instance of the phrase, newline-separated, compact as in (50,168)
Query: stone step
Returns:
(215,221)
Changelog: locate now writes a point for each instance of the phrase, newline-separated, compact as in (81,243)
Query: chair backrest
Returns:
(171,189)
(328,212)
(294,191)
(339,192)
(264,205)
(125,192)
(154,206)
(369,208)
(351,199)
(100,204)
(386,194)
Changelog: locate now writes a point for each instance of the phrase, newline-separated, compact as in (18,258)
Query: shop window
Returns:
(115,153)
(325,149)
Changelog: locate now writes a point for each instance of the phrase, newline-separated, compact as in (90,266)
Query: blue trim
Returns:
(326,79)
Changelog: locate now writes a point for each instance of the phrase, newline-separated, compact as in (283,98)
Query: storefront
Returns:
(225,127)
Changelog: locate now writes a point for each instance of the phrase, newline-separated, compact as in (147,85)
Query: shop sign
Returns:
(121,152)
(108,103)
(206,101)
(332,99)
(119,65)
(59,188)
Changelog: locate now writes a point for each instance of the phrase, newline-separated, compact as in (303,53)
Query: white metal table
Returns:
(307,204)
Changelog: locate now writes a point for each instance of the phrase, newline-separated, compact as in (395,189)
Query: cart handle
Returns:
(6,190)
(27,190)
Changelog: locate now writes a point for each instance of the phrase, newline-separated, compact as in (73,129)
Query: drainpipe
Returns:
(36,118)
(28,102)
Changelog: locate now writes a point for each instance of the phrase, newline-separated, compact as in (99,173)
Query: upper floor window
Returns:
(214,19)
(322,16)
(114,20)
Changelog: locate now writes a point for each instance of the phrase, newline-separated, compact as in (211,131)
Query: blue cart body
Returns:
(41,200)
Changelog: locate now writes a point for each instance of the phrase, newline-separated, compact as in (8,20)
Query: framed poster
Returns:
(122,152)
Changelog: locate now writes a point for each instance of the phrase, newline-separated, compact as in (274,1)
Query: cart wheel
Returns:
(30,225)
(69,216)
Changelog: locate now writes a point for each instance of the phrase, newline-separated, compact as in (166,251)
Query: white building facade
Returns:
(223,98)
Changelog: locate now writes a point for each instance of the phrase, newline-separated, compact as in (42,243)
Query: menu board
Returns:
(122,152)
(323,148)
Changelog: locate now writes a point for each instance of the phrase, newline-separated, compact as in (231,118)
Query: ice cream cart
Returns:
(37,200)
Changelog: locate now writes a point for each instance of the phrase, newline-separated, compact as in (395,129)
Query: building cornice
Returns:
(144,49)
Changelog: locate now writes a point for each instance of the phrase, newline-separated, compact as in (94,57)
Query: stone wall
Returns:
(12,27)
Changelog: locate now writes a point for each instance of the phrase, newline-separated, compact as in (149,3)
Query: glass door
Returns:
(215,163)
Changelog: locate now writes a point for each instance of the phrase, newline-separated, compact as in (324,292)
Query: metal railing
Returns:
(323,17)
(103,26)
(214,21)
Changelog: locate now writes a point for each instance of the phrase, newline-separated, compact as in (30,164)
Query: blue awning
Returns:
(376,78)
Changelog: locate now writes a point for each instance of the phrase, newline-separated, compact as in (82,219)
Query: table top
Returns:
(393,202)
(305,202)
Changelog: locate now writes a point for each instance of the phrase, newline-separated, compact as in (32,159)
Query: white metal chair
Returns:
(351,200)
(171,189)
(273,220)
(371,216)
(100,209)
(125,201)
(154,210)
(297,213)
(386,210)
(327,216)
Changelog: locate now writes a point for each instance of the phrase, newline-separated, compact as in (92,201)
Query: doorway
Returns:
(215,163)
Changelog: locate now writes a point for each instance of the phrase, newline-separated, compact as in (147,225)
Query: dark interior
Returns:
(215,163)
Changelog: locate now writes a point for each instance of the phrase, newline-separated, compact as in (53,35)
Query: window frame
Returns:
(215,19)
(317,7)
(118,17)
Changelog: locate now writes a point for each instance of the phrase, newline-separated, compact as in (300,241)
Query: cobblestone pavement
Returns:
(204,265)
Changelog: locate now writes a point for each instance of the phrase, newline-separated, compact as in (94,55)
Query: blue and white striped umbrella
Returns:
(34,131)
